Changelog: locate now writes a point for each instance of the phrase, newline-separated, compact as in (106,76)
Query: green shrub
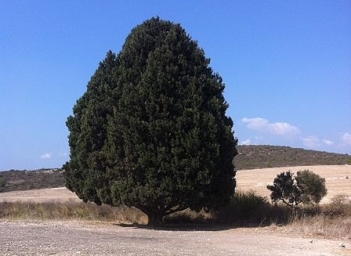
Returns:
(312,186)
(244,207)
(3,183)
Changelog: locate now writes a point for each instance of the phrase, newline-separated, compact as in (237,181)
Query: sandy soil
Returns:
(88,238)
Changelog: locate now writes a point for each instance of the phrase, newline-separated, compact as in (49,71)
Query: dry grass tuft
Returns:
(323,226)
(70,210)
(332,220)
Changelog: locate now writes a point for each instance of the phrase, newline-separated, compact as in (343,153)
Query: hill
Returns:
(15,180)
(264,156)
(249,157)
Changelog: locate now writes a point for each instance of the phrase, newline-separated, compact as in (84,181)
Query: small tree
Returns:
(284,189)
(306,187)
(312,186)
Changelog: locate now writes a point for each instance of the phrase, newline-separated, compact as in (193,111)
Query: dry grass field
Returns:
(338,179)
(40,195)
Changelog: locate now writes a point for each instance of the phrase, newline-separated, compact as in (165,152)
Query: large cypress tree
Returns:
(157,135)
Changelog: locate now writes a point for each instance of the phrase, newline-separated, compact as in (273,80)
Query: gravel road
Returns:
(89,238)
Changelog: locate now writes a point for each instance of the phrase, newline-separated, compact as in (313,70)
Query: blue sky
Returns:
(286,66)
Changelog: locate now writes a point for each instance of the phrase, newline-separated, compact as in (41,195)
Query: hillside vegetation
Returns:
(249,157)
(15,180)
(262,156)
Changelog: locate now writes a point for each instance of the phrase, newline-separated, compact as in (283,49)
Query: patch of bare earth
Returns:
(29,237)
(88,238)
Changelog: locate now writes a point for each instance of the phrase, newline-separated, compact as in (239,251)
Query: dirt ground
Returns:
(88,238)
(30,237)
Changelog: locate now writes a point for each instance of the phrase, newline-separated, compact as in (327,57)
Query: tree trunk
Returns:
(155,219)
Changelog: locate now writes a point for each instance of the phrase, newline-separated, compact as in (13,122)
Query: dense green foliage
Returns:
(85,173)
(284,188)
(306,187)
(244,207)
(312,186)
(2,184)
(151,131)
